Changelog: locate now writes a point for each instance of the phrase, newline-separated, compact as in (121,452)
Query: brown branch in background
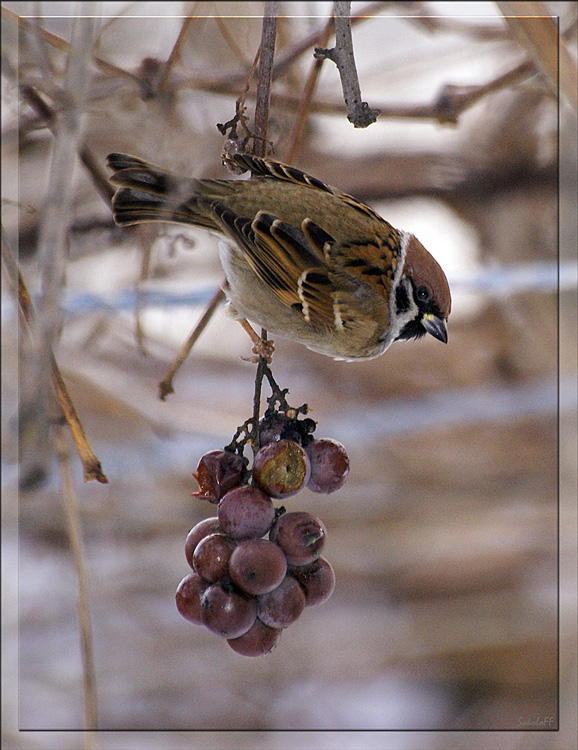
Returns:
(358,112)
(37,401)
(266,57)
(307,96)
(167,67)
(74,528)
(532,24)
(91,465)
(100,180)
(448,105)
(166,384)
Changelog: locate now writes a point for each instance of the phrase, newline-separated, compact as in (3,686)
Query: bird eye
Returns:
(422,293)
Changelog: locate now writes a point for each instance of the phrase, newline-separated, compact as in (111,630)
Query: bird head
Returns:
(423,295)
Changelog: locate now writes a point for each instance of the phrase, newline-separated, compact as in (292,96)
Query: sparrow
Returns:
(303,260)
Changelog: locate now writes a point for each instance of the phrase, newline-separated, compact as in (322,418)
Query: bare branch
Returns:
(75,537)
(91,465)
(166,384)
(537,32)
(359,112)
(266,58)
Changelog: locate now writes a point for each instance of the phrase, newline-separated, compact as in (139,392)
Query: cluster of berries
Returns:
(256,567)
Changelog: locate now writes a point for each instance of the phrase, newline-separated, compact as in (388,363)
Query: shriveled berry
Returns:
(300,535)
(212,555)
(317,581)
(271,427)
(257,566)
(246,513)
(188,597)
(282,606)
(217,473)
(200,531)
(281,469)
(259,640)
(329,465)
(227,612)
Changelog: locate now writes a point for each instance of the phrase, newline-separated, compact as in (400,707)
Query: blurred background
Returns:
(454,539)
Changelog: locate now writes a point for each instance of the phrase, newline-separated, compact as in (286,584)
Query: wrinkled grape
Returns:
(200,531)
(246,512)
(260,639)
(271,427)
(300,535)
(211,557)
(227,612)
(217,473)
(281,468)
(257,566)
(282,606)
(317,581)
(188,597)
(329,465)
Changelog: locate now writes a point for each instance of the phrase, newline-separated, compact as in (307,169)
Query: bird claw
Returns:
(264,348)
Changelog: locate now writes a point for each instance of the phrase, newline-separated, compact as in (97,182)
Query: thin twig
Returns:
(74,526)
(174,54)
(47,114)
(90,463)
(266,58)
(358,112)
(166,384)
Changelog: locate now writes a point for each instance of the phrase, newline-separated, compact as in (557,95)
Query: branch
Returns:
(538,33)
(166,384)
(91,465)
(266,57)
(358,112)
(76,541)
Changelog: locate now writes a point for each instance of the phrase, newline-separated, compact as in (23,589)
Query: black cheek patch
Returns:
(402,303)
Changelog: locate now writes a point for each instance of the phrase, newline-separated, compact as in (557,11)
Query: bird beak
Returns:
(436,327)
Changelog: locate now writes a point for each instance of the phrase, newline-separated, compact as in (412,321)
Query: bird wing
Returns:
(281,255)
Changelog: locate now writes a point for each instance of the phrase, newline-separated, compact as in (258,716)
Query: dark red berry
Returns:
(246,513)
(227,612)
(200,531)
(212,555)
(329,465)
(188,597)
(300,535)
(257,566)
(317,581)
(282,606)
(260,639)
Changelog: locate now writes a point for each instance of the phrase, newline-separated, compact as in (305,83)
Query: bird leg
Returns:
(261,346)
